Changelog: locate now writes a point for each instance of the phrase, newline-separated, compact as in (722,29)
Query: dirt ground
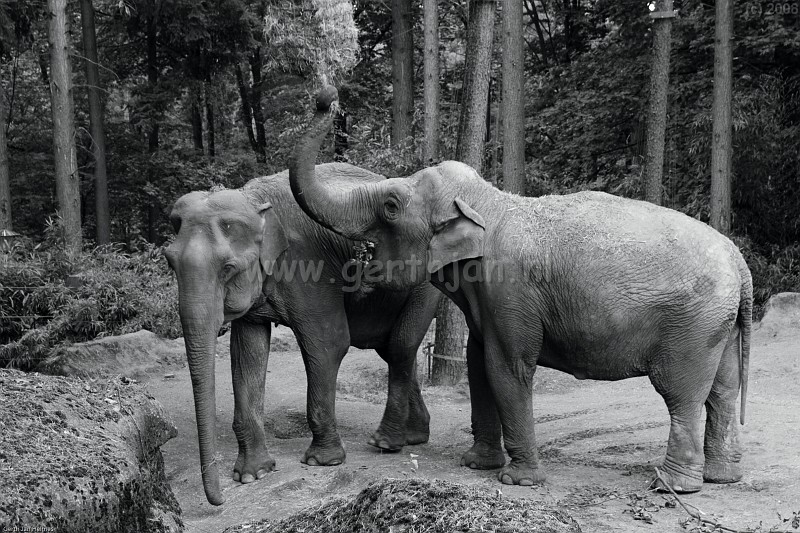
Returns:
(599,442)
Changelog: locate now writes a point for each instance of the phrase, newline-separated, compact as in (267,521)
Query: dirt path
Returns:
(599,442)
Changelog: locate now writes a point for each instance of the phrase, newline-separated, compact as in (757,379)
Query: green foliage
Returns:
(116,293)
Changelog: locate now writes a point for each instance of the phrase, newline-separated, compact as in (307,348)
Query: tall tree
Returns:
(450,325)
(431,83)
(513,107)
(657,114)
(402,70)
(102,221)
(5,175)
(66,164)
(153,141)
(721,115)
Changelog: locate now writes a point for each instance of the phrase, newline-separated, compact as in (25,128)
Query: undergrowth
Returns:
(114,292)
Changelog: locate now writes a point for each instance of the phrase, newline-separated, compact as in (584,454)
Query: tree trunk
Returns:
(450,325)
(430,153)
(5,175)
(721,115)
(102,220)
(153,208)
(66,164)
(247,114)
(255,102)
(657,114)
(402,71)
(212,146)
(534,14)
(513,106)
(197,120)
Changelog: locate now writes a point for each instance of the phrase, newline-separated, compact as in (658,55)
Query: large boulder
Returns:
(82,455)
(781,314)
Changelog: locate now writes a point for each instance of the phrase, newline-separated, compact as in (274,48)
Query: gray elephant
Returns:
(252,257)
(594,285)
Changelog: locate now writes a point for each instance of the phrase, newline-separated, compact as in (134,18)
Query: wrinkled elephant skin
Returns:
(591,284)
(251,257)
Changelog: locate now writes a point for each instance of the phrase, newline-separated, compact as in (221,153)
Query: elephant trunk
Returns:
(201,320)
(345,212)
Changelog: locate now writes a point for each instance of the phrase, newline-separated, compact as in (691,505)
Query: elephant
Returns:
(251,257)
(591,284)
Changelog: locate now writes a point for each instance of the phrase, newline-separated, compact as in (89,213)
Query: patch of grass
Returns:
(417,505)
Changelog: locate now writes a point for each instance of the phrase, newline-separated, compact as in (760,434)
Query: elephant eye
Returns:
(391,209)
(228,269)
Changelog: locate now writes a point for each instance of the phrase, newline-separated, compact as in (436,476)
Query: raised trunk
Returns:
(347,212)
(102,222)
(201,318)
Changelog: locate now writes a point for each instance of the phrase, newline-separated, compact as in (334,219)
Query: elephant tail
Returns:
(745,321)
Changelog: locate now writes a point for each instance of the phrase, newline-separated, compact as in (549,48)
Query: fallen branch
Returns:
(695,513)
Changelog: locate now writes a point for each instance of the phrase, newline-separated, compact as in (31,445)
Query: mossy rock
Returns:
(83,455)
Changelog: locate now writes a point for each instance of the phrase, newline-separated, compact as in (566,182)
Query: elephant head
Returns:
(414,226)
(223,256)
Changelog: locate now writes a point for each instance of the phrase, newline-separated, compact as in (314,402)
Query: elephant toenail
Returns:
(312,462)
(261,473)
(473,466)
(236,476)
(525,482)
(248,478)
(507,479)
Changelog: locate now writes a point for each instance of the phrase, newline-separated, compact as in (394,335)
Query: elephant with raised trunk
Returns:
(591,284)
(252,257)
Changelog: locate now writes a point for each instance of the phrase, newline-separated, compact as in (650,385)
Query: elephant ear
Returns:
(459,237)
(273,238)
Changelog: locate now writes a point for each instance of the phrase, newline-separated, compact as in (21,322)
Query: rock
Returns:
(781,313)
(78,455)
(132,355)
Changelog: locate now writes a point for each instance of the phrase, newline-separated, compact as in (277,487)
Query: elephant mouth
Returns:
(364,251)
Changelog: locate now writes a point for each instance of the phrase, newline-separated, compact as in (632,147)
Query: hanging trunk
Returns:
(430,153)
(450,325)
(5,175)
(657,115)
(255,102)
(212,147)
(247,114)
(102,221)
(153,209)
(66,164)
(201,318)
(721,115)
(402,71)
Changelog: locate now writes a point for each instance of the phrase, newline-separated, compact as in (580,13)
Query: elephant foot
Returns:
(520,473)
(317,455)
(681,478)
(416,436)
(252,466)
(483,456)
(387,442)
(722,472)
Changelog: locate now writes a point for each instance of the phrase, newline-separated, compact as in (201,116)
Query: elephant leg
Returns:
(684,393)
(722,449)
(249,357)
(486,452)
(392,433)
(322,357)
(405,419)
